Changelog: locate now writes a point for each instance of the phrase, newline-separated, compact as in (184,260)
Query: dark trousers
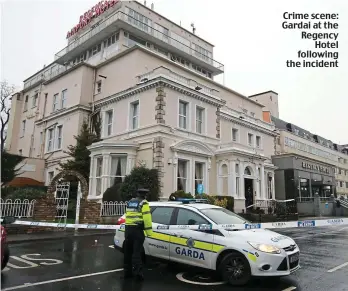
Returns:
(133,248)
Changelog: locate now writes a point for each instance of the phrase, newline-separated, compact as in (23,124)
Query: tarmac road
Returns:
(80,263)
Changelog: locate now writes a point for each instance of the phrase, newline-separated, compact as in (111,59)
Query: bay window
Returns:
(118,169)
(98,176)
(182,175)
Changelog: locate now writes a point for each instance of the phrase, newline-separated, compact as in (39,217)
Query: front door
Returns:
(192,247)
(158,244)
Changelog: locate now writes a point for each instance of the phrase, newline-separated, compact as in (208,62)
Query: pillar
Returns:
(241,182)
(273,187)
(91,191)
(232,178)
(262,181)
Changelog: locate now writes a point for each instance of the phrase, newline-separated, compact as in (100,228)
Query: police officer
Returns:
(138,221)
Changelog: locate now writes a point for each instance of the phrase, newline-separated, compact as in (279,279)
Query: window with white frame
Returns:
(95,50)
(50,139)
(161,32)
(24,122)
(55,102)
(118,169)
(234,134)
(134,114)
(111,40)
(250,139)
(34,100)
(183,106)
(108,122)
(200,119)
(139,20)
(59,137)
(182,175)
(63,99)
(258,141)
(199,174)
(99,86)
(26,103)
(224,178)
(98,175)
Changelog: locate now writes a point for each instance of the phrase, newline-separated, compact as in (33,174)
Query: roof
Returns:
(179,203)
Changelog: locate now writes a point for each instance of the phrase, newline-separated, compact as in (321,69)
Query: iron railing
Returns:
(112,208)
(17,208)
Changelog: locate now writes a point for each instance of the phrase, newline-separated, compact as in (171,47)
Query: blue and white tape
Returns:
(267,225)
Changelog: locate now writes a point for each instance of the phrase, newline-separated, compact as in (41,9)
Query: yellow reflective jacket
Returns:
(138,213)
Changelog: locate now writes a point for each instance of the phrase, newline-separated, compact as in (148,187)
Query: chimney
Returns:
(152,6)
(145,2)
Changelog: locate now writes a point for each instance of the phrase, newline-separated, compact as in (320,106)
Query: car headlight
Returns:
(265,248)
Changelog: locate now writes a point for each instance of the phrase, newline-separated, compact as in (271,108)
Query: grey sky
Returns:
(248,39)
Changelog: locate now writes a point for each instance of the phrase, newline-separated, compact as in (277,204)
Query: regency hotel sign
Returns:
(318,168)
(92,13)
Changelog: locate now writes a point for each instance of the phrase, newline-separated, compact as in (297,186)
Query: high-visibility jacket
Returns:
(138,214)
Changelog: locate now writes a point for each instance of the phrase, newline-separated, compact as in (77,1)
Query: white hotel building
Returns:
(152,83)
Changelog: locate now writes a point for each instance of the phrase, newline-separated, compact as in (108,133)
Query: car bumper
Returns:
(117,244)
(275,264)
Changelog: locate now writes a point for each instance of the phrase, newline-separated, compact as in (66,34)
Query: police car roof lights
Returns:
(191,200)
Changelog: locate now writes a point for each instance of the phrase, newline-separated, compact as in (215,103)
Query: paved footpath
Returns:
(89,263)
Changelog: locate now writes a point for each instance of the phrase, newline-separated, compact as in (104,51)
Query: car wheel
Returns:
(6,257)
(235,269)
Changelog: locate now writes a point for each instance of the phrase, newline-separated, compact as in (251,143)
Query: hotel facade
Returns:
(152,83)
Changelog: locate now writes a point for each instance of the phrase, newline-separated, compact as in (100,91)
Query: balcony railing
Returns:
(178,78)
(255,121)
(36,79)
(143,27)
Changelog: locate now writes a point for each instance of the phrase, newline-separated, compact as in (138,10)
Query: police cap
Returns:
(143,191)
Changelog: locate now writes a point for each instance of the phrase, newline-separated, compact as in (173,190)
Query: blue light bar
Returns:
(191,200)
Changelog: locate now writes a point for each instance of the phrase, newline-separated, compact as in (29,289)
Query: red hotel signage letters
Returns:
(87,17)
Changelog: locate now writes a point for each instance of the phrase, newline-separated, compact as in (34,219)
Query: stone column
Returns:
(241,178)
(232,178)
(256,184)
(158,163)
(262,181)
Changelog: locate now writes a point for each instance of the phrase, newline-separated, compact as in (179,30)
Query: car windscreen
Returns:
(223,216)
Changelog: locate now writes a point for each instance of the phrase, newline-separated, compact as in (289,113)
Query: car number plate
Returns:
(295,257)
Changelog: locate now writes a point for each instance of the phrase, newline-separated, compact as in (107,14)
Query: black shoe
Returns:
(127,275)
(139,277)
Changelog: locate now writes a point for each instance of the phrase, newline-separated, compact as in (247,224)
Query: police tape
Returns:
(266,225)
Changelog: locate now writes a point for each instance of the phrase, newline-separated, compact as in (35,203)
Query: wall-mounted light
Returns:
(198,88)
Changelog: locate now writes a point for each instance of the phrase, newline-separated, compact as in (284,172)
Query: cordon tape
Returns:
(267,225)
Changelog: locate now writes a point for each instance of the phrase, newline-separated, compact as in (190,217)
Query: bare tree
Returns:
(5,103)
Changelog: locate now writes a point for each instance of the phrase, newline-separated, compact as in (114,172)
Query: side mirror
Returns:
(8,220)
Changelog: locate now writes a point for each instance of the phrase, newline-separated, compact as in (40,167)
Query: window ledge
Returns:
(53,151)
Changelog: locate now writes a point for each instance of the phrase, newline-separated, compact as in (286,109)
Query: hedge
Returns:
(11,192)
(223,201)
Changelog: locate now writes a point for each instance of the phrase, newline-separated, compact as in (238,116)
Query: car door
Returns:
(192,247)
(157,245)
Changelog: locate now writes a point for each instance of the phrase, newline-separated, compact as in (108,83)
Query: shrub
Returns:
(113,193)
(221,202)
(140,177)
(179,194)
(26,193)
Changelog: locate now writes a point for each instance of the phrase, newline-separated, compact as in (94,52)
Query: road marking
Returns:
(26,285)
(338,267)
(290,288)
(182,279)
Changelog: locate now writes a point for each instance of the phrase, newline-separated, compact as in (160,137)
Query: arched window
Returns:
(247,171)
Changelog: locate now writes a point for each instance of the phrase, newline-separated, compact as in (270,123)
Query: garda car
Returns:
(235,255)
